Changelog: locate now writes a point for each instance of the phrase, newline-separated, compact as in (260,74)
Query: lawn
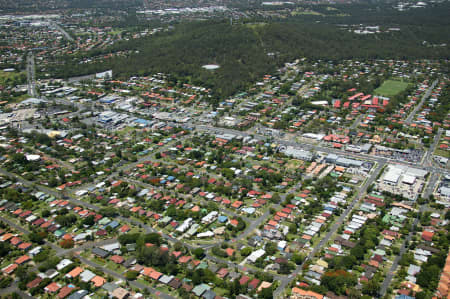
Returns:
(442,153)
(143,281)
(220,291)
(115,267)
(99,261)
(391,88)
(126,131)
(115,32)
(19,98)
(294,164)
(9,78)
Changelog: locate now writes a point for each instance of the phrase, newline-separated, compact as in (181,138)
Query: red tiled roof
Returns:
(22,259)
(244,279)
(117,259)
(184,259)
(34,283)
(65,291)
(10,269)
(24,246)
(52,287)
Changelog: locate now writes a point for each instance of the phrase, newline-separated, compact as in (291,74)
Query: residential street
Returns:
(425,96)
(154,292)
(362,190)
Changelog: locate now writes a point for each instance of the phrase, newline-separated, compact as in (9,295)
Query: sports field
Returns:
(391,88)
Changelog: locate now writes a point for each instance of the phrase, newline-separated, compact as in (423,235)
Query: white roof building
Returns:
(408,179)
(87,276)
(206,234)
(392,175)
(111,247)
(62,264)
(256,255)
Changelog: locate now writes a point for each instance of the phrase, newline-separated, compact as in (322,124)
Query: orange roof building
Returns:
(427,236)
(237,204)
(98,281)
(302,294)
(6,237)
(23,259)
(10,269)
(52,287)
(155,275)
(75,272)
(147,271)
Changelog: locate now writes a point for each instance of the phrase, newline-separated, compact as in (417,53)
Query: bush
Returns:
(219,252)
(5,282)
(298,258)
(66,243)
(246,251)
(199,253)
(36,238)
(131,275)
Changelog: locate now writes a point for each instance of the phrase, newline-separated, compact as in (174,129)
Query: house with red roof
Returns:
(52,287)
(427,236)
(117,259)
(254,283)
(98,281)
(184,259)
(34,283)
(124,229)
(222,273)
(25,246)
(15,241)
(65,291)
(234,222)
(306,294)
(22,260)
(155,275)
(74,272)
(10,269)
(17,212)
(244,279)
(229,251)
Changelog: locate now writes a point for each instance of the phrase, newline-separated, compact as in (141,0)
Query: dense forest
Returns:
(54,5)
(248,50)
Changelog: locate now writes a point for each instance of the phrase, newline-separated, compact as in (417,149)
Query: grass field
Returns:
(8,78)
(391,88)
(11,79)
(442,153)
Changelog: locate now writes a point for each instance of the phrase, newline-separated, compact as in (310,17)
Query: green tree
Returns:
(199,253)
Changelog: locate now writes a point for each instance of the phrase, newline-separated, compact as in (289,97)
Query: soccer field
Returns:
(391,88)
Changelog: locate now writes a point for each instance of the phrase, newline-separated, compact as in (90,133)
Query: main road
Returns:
(327,150)
(428,157)
(60,29)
